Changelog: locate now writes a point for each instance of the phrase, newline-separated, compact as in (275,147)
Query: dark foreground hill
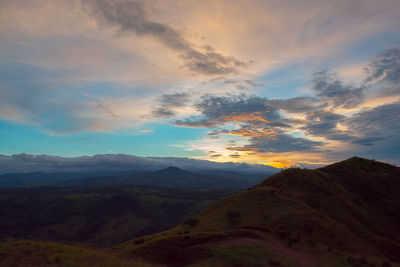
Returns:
(345,214)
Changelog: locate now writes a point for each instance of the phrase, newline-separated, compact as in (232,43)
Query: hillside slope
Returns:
(345,214)
(33,253)
(100,216)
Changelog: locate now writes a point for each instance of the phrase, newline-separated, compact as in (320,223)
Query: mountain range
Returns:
(168,177)
(27,163)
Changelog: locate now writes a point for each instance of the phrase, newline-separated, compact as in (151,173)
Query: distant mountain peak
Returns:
(172,170)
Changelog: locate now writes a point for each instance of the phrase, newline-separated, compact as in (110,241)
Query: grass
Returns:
(97,215)
(343,209)
(251,256)
(31,253)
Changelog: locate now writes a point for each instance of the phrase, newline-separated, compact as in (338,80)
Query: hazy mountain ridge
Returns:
(175,177)
(169,177)
(20,163)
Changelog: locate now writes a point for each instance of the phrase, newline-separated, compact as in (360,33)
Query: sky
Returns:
(282,83)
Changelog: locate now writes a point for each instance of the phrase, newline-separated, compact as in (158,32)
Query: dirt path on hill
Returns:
(269,241)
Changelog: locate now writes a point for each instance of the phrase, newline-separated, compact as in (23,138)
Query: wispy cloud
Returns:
(332,90)
(131,16)
(385,69)
(169,103)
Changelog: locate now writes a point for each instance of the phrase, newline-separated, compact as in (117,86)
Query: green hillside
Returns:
(345,214)
(100,216)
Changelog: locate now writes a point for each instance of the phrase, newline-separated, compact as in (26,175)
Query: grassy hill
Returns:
(345,214)
(100,216)
(31,253)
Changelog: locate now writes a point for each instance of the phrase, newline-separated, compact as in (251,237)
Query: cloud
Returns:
(377,124)
(251,117)
(278,143)
(370,141)
(162,112)
(175,100)
(385,68)
(324,124)
(116,162)
(243,85)
(169,103)
(131,16)
(195,123)
(242,109)
(217,111)
(330,89)
(296,105)
(237,108)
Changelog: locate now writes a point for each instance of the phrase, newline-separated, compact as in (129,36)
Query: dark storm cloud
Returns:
(168,104)
(332,90)
(385,68)
(131,16)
